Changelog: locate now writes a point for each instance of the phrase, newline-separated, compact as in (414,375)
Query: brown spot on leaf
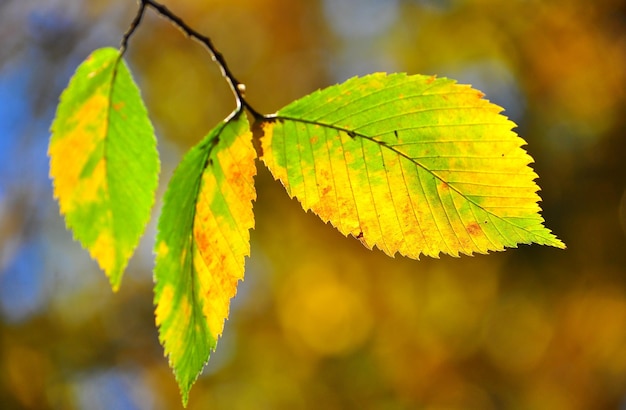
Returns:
(361,239)
(474,229)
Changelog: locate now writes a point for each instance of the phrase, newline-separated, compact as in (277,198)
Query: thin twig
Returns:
(236,87)
(133,26)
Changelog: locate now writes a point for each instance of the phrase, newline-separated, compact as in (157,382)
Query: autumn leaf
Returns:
(203,237)
(409,164)
(103,161)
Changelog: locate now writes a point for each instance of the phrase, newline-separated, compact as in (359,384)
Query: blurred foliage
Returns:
(321,322)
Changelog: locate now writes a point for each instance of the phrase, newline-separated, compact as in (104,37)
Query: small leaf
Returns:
(410,164)
(103,161)
(202,240)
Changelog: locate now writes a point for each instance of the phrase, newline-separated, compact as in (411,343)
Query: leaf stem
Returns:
(133,26)
(237,88)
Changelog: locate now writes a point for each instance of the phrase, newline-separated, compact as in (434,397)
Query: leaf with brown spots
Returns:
(409,164)
(203,238)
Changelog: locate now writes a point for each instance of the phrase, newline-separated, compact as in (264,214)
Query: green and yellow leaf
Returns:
(409,164)
(103,161)
(203,238)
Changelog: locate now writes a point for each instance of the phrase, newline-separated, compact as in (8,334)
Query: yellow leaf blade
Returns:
(103,161)
(409,164)
(201,245)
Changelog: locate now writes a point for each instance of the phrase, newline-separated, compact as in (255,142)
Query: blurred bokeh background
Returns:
(320,321)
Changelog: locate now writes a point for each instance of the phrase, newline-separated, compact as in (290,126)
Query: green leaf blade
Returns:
(203,238)
(409,164)
(103,160)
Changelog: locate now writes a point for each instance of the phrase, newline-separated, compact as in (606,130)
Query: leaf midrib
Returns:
(383,145)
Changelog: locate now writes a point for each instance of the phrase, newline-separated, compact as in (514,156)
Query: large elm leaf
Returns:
(203,237)
(103,161)
(409,164)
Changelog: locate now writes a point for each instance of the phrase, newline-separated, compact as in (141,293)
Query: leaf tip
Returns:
(184,395)
(557,243)
(115,287)
(115,279)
